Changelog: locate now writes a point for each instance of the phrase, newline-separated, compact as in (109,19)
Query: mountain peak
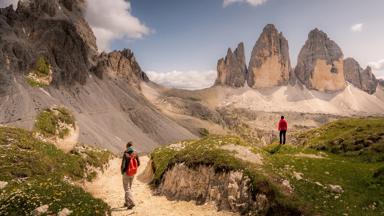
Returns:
(232,70)
(269,64)
(320,63)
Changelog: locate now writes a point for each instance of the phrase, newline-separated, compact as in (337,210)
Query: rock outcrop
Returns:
(232,70)
(227,190)
(352,72)
(363,79)
(381,82)
(270,63)
(368,81)
(120,64)
(320,63)
(53,29)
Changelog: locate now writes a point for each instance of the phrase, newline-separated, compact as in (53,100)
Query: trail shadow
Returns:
(123,209)
(275,149)
(119,209)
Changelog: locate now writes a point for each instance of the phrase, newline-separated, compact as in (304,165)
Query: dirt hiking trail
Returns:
(109,187)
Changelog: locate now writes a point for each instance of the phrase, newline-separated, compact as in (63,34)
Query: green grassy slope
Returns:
(363,138)
(320,158)
(38,173)
(363,192)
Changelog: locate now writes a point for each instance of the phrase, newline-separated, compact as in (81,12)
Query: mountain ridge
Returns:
(320,65)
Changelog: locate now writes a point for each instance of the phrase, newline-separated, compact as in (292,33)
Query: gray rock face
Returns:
(120,64)
(54,29)
(232,70)
(368,81)
(381,82)
(320,63)
(227,190)
(270,63)
(352,72)
(40,210)
(363,79)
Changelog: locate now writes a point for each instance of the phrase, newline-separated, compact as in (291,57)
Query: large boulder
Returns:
(269,64)
(363,79)
(320,63)
(232,70)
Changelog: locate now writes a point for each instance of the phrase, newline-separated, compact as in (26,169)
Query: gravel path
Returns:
(108,187)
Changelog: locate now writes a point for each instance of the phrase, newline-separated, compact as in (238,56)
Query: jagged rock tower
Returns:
(270,64)
(320,63)
(359,77)
(232,70)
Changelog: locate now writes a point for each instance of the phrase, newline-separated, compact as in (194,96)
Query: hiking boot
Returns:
(130,207)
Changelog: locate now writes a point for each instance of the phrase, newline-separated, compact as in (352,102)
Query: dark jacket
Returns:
(126,160)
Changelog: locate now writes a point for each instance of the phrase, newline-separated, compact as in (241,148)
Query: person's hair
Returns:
(282,117)
(129,144)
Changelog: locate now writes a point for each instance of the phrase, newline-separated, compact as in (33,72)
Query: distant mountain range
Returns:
(321,65)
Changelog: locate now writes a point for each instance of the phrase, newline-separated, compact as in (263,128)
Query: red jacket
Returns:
(283,125)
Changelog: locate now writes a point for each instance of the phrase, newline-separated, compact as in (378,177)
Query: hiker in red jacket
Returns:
(129,167)
(283,127)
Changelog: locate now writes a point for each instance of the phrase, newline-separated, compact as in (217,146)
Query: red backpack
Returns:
(132,168)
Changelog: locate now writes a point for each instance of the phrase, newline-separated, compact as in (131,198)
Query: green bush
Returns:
(203,132)
(42,67)
(47,122)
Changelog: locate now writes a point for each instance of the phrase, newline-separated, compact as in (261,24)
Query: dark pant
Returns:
(282,136)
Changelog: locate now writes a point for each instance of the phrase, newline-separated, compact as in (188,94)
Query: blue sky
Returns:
(178,42)
(192,35)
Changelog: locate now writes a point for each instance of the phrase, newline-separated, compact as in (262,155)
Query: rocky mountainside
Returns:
(270,64)
(232,70)
(54,30)
(362,78)
(102,90)
(120,64)
(320,63)
(381,82)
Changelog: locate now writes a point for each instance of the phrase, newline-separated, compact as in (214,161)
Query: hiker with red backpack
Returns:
(129,168)
(282,127)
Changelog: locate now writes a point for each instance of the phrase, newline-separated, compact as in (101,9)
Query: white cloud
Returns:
(357,27)
(378,68)
(6,3)
(184,79)
(250,2)
(379,65)
(111,20)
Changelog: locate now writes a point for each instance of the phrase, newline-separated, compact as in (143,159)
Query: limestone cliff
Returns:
(363,79)
(120,64)
(320,63)
(231,70)
(368,81)
(53,29)
(269,64)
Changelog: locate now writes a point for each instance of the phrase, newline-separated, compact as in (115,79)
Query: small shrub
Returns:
(42,67)
(48,122)
(203,132)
